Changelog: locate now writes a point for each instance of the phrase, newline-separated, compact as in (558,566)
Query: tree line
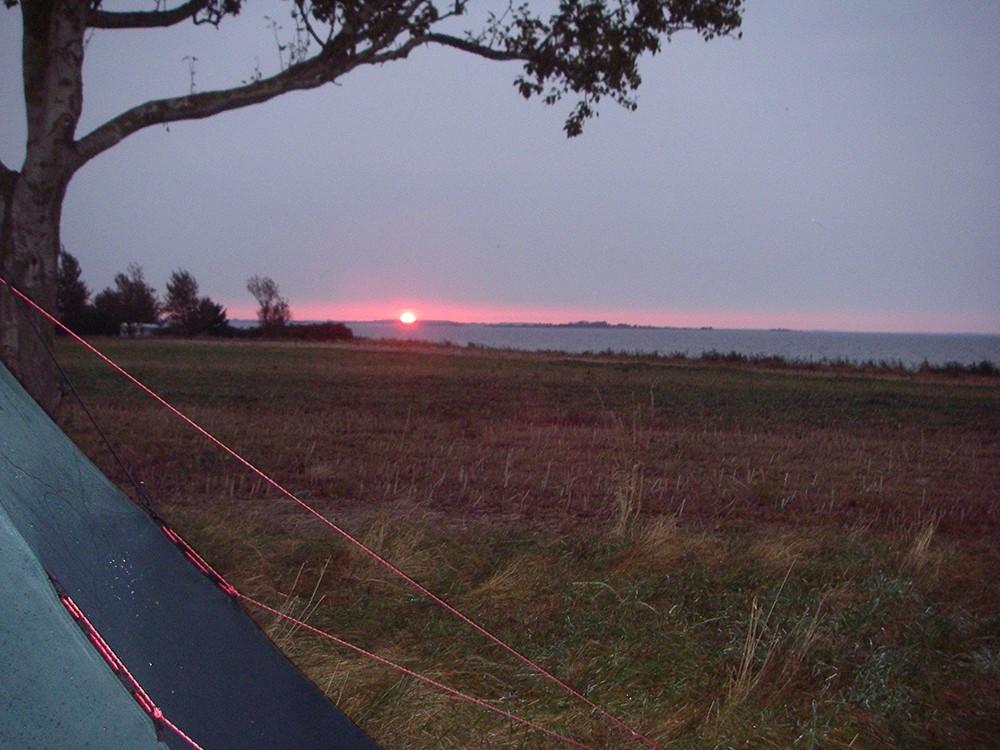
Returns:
(131,304)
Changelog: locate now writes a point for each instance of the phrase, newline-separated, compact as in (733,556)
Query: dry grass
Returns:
(920,553)
(720,555)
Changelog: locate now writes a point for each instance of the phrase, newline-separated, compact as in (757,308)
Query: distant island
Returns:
(575,324)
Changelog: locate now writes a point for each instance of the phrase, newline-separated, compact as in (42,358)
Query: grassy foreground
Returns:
(722,556)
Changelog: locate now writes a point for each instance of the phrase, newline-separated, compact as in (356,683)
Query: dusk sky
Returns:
(836,168)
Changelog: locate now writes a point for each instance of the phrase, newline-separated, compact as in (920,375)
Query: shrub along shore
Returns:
(723,553)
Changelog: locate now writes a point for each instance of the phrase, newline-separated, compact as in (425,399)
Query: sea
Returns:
(909,350)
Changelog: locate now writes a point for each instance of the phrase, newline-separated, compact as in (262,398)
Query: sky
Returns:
(836,168)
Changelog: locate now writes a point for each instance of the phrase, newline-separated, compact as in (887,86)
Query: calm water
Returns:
(909,348)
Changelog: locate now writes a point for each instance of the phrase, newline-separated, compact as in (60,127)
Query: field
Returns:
(719,554)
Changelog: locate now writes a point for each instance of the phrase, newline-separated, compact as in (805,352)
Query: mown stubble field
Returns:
(722,556)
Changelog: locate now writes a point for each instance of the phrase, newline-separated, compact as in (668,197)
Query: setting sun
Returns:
(408,318)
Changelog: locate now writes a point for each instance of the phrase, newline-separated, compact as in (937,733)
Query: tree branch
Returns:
(371,57)
(466,45)
(304,20)
(584,51)
(309,74)
(151,19)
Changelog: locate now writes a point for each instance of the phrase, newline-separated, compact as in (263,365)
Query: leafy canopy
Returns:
(586,49)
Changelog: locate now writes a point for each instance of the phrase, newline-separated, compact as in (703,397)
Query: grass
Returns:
(722,554)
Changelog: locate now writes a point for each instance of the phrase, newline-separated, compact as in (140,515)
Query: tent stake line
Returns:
(118,667)
(631,731)
(199,562)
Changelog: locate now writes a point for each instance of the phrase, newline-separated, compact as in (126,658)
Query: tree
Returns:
(72,294)
(181,303)
(212,318)
(587,49)
(274,312)
(189,314)
(132,302)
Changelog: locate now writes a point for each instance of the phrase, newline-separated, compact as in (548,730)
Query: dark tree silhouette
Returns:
(273,313)
(585,49)
(180,306)
(130,303)
(72,295)
(212,318)
(187,313)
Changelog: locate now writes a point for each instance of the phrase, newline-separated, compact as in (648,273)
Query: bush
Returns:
(317,332)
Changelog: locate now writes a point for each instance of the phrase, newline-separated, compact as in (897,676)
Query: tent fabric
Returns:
(50,673)
(210,669)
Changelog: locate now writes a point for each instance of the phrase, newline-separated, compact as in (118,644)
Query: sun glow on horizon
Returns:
(408,318)
(831,320)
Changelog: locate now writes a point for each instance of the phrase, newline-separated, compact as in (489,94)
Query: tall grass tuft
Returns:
(627,501)
(919,554)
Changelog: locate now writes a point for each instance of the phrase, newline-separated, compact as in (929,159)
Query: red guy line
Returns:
(635,734)
(118,667)
(146,702)
(222,583)
(415,675)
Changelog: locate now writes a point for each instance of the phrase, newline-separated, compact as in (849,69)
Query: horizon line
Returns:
(761,319)
(603,324)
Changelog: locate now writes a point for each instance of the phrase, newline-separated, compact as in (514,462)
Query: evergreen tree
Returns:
(181,303)
(212,318)
(191,315)
(72,295)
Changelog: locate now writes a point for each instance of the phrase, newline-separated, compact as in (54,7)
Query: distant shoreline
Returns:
(604,325)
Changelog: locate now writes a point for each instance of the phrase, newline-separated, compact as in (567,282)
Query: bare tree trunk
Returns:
(28,261)
(52,59)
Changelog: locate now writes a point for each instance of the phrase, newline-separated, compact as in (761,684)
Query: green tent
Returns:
(81,566)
